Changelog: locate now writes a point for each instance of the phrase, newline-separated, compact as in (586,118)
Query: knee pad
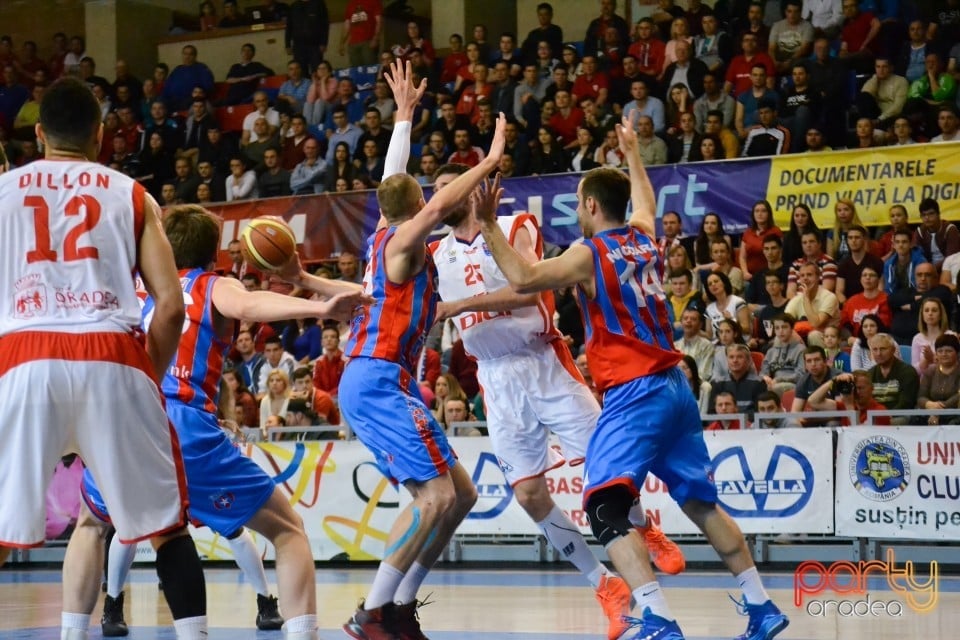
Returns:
(608,511)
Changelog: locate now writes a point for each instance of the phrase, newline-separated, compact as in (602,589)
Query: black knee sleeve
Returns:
(236,534)
(608,510)
(178,567)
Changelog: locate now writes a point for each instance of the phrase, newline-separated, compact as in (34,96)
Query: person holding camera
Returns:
(848,391)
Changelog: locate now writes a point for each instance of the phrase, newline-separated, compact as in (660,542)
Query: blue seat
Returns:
(905,353)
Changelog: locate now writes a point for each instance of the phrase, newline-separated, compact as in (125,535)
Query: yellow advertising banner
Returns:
(874,180)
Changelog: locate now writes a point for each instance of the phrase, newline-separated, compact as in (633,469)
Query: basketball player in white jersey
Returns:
(76,374)
(530,383)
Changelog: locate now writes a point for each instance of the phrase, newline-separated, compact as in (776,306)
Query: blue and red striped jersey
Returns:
(193,376)
(395,327)
(627,324)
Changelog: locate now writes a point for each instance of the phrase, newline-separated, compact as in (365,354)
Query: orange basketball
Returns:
(268,243)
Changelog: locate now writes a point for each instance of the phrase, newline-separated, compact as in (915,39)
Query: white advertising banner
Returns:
(771,481)
(899,482)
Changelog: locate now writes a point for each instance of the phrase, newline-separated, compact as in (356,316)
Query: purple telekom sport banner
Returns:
(328,224)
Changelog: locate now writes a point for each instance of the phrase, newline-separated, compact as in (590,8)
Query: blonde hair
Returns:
(399,196)
(922,326)
(834,245)
(454,392)
(281,375)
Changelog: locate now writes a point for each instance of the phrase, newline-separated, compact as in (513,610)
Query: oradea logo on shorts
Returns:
(779,488)
(493,491)
(851,579)
(879,468)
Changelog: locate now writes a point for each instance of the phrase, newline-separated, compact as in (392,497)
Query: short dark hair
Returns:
(814,350)
(773,239)
(768,396)
(929,204)
(785,317)
(249,44)
(69,114)
(716,113)
(859,227)
(610,188)
(682,273)
(453,168)
(194,234)
(273,340)
(545,6)
(302,372)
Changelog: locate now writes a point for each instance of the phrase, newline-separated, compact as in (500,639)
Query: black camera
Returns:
(843,387)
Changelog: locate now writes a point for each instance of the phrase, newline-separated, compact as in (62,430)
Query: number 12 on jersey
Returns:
(85,206)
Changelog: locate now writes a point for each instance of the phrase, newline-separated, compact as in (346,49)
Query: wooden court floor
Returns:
(485,605)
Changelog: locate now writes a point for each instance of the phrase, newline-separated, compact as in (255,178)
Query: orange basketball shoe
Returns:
(614,596)
(663,551)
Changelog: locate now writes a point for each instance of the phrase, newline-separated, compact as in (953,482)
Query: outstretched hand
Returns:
(485,199)
(400,79)
(499,139)
(341,306)
(627,134)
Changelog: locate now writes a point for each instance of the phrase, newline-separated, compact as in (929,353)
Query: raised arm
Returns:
(644,200)
(575,266)
(407,96)
(411,234)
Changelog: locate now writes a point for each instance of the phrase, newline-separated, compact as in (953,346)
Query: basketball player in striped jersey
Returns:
(649,421)
(379,396)
(227,490)
(74,234)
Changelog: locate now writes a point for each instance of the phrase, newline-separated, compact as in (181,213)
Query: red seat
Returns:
(231,118)
(272,82)
(757,359)
(220,90)
(787,400)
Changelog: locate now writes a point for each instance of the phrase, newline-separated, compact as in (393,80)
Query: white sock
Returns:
(247,557)
(650,596)
(191,628)
(407,591)
(637,516)
(564,536)
(73,626)
(384,587)
(301,628)
(120,559)
(752,587)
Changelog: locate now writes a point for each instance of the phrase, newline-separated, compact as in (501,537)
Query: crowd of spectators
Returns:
(762,317)
(791,323)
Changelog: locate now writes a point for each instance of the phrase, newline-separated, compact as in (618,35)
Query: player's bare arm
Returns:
(233,301)
(162,281)
(574,266)
(407,249)
(294,273)
(505,299)
(641,191)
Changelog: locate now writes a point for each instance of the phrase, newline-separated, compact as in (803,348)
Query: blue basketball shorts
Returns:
(381,402)
(651,424)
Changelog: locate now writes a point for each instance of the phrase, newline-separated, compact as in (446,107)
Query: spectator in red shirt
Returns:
(329,366)
(725,403)
(738,73)
(648,49)
(465,152)
(467,104)
(361,31)
(591,83)
(454,60)
(566,120)
(318,400)
(858,38)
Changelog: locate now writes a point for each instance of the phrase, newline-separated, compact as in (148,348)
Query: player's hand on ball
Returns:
(292,269)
